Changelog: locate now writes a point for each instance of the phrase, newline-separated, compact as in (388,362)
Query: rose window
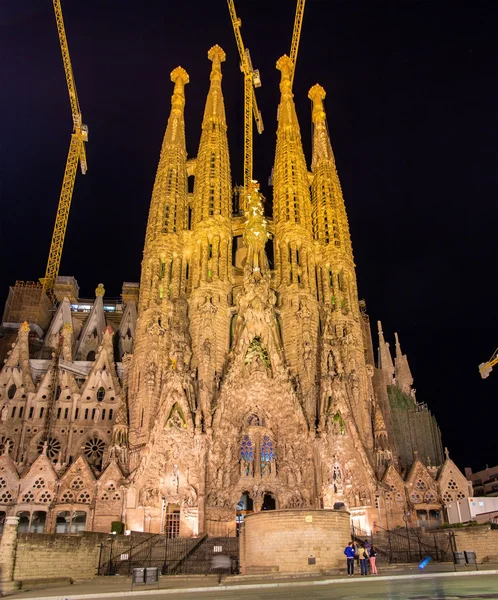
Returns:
(415,498)
(116,496)
(452,484)
(420,485)
(67,497)
(45,497)
(77,483)
(5,497)
(430,497)
(39,483)
(84,498)
(53,447)
(4,442)
(104,496)
(94,451)
(111,487)
(28,497)
(447,497)
(460,495)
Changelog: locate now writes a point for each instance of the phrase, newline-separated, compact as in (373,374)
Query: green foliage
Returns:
(117,527)
(337,418)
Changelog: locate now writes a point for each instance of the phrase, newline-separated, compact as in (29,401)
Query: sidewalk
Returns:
(105,587)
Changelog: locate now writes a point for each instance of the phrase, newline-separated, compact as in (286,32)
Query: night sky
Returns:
(412,115)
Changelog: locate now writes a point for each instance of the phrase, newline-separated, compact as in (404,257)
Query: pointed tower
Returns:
(404,379)
(211,244)
(161,261)
(385,358)
(343,345)
(294,252)
(161,270)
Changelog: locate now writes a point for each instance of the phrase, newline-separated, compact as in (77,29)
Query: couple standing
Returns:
(365,552)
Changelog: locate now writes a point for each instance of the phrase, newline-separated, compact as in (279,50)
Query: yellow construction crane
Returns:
(486,368)
(296,35)
(251,80)
(76,155)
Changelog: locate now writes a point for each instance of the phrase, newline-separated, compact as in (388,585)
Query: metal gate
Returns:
(173,556)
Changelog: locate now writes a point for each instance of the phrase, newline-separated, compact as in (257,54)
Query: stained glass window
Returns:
(267,453)
(246,449)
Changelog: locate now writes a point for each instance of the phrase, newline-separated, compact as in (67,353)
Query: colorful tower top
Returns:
(291,196)
(213,188)
(330,222)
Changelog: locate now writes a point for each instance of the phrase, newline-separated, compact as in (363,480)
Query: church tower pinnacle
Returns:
(161,268)
(343,364)
(160,272)
(211,245)
(294,248)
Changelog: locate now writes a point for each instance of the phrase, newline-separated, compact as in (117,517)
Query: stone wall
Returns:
(294,541)
(41,556)
(481,539)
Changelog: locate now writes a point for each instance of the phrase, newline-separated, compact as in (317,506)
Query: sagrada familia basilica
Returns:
(223,383)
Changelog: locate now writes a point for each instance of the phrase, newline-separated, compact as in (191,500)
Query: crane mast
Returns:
(251,80)
(76,155)
(296,35)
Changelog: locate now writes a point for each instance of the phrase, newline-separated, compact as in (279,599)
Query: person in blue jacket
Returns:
(349,552)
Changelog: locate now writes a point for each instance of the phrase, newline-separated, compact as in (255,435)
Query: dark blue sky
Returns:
(412,115)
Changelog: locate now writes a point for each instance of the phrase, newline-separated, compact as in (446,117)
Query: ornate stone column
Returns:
(8,547)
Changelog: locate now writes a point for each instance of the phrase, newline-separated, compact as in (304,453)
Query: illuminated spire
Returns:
(213,188)
(167,208)
(385,358)
(168,204)
(404,379)
(330,222)
(291,196)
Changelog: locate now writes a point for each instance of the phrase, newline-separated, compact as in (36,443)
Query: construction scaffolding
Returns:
(27,302)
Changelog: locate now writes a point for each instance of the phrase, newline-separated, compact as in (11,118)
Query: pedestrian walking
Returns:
(349,552)
(221,564)
(363,556)
(372,554)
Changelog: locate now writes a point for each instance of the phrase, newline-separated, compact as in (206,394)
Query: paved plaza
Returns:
(403,586)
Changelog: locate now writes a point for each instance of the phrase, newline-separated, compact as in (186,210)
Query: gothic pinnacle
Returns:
(217,55)
(317,95)
(399,354)
(284,65)
(180,78)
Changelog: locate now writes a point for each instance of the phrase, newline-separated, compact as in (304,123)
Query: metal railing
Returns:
(407,545)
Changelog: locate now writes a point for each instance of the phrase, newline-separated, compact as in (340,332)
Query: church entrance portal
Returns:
(269,502)
(172,523)
(245,507)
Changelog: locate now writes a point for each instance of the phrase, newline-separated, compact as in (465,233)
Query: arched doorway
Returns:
(172,524)
(269,502)
(245,507)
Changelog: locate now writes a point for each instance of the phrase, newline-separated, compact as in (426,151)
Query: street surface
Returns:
(474,587)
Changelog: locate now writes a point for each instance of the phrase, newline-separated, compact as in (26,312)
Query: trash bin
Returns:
(459,558)
(151,575)
(138,576)
(470,557)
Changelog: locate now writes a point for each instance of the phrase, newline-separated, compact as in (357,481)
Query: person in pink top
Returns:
(372,554)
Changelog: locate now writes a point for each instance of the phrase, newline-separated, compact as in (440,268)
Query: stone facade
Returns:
(219,377)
